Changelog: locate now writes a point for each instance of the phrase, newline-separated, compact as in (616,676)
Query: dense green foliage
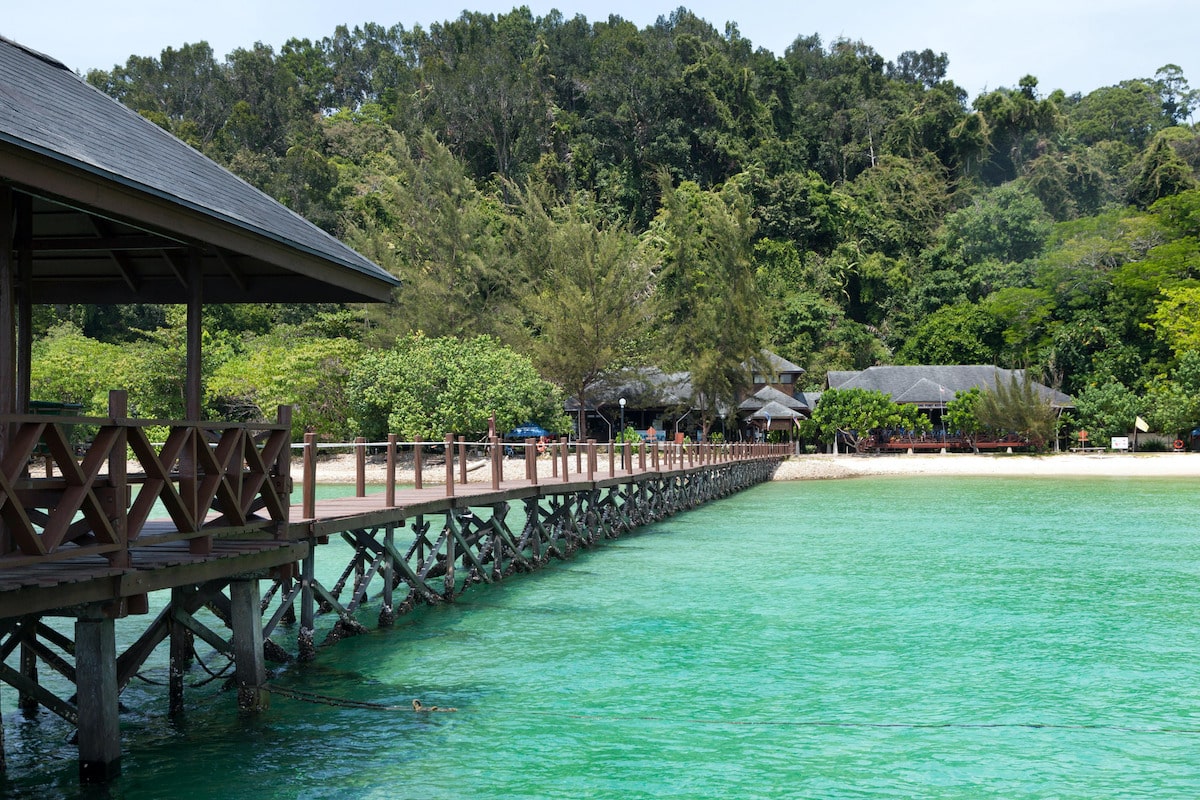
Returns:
(855,415)
(424,387)
(673,196)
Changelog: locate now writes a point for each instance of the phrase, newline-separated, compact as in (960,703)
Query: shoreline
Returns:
(1054,465)
(340,469)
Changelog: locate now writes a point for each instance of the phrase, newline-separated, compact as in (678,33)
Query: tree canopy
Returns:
(673,196)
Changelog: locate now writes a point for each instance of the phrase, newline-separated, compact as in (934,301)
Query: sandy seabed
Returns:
(341,468)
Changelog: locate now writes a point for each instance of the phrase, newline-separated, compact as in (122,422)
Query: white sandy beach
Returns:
(1180,465)
(340,468)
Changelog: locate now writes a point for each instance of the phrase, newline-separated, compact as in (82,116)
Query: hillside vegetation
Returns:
(593,196)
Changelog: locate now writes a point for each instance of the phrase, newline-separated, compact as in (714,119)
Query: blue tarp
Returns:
(527,431)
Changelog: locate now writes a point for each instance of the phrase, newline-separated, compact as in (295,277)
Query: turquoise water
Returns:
(942,638)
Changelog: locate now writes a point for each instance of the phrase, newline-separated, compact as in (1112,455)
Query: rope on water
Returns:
(313,697)
(341,702)
(813,723)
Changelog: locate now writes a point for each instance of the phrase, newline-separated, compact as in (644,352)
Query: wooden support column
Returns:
(24,297)
(308,614)
(8,330)
(195,306)
(246,622)
(180,652)
(387,613)
(8,311)
(96,699)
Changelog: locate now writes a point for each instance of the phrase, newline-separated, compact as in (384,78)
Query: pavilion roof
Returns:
(934,386)
(119,206)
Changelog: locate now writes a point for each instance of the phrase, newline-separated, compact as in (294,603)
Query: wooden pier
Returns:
(82,545)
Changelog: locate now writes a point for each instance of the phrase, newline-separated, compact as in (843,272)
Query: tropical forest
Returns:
(564,199)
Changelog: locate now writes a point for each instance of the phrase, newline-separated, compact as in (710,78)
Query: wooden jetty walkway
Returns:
(80,543)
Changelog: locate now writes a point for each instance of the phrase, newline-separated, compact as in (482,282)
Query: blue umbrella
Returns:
(527,431)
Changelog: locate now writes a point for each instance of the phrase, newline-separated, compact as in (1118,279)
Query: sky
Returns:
(1073,45)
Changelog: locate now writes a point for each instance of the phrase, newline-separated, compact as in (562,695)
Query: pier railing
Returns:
(59,500)
(568,461)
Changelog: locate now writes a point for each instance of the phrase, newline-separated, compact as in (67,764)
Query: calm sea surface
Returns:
(939,638)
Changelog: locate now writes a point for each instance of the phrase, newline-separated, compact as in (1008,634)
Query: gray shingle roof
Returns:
(776,364)
(769,394)
(934,385)
(50,113)
(773,410)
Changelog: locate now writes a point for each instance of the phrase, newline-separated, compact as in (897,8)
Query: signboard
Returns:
(1120,443)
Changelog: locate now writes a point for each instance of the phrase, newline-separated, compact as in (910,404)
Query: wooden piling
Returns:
(246,621)
(96,699)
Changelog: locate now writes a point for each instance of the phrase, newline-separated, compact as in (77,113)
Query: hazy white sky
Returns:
(1074,45)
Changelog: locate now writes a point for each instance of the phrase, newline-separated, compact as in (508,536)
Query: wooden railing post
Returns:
(390,490)
(283,461)
(309,491)
(418,452)
(627,457)
(449,443)
(565,453)
(578,457)
(591,459)
(642,456)
(612,459)
(360,467)
(462,460)
(531,465)
(654,454)
(118,411)
(497,463)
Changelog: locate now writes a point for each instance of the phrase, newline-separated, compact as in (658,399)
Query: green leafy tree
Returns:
(68,367)
(1106,410)
(430,387)
(962,416)
(310,374)
(855,415)
(958,334)
(1172,401)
